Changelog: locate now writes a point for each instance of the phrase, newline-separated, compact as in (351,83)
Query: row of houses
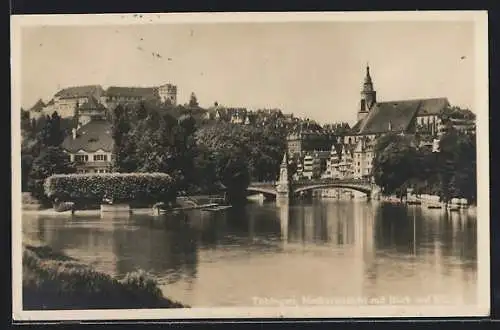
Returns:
(326,154)
(244,116)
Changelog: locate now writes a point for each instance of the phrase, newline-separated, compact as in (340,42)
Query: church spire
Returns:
(368,84)
(284,162)
(368,95)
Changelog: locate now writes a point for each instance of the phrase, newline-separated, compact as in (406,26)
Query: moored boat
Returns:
(217,208)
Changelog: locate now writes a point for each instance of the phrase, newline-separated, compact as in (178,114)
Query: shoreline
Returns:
(52,212)
(55,280)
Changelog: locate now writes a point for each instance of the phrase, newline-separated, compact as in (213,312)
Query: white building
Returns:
(168,93)
(363,159)
(91,147)
(332,165)
(308,166)
(345,165)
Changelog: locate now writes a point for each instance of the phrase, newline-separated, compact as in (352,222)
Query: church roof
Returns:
(356,127)
(91,137)
(397,115)
(389,116)
(432,106)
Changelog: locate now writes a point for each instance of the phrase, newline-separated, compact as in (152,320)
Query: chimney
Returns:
(73,131)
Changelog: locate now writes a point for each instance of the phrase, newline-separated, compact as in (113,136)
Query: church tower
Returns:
(368,95)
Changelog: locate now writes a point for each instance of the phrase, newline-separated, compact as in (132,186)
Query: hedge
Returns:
(120,187)
(56,281)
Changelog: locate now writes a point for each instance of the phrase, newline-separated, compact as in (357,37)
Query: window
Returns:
(358,163)
(81,158)
(100,158)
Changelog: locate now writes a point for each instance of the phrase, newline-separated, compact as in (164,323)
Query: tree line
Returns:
(41,152)
(202,158)
(401,162)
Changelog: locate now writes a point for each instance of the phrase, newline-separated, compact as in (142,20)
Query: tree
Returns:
(50,131)
(193,101)
(52,160)
(394,163)
(457,165)
(76,116)
(26,162)
(124,145)
(241,153)
(142,112)
(56,135)
(25,122)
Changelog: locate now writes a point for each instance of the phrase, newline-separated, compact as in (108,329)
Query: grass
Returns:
(54,281)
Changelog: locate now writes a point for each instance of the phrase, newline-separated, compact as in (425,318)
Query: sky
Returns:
(310,69)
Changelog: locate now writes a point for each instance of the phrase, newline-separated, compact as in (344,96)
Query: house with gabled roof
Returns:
(90,146)
(38,106)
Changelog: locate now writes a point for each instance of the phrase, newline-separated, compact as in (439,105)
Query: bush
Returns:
(55,281)
(52,160)
(120,187)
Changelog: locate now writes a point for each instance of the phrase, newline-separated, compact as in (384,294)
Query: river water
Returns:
(268,254)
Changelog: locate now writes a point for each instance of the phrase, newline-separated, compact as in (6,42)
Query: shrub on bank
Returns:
(54,281)
(119,187)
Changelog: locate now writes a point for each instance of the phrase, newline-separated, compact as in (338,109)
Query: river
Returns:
(268,254)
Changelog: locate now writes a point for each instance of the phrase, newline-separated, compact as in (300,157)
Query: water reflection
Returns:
(325,247)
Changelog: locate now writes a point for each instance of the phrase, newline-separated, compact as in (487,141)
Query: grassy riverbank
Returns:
(53,281)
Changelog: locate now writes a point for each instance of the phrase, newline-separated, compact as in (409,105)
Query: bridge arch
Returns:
(361,188)
(262,190)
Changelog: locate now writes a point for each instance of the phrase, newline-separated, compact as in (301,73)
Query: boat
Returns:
(256,198)
(413,202)
(217,208)
(453,208)
(434,206)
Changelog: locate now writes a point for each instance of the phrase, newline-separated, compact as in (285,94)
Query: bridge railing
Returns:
(328,181)
(364,182)
(263,183)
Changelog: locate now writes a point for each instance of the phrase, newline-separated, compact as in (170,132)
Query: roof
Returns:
(432,106)
(131,91)
(79,91)
(39,105)
(398,113)
(389,116)
(357,126)
(92,104)
(91,137)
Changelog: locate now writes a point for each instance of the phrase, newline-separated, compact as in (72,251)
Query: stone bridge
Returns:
(297,187)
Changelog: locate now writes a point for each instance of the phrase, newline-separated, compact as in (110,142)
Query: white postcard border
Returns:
(480,19)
